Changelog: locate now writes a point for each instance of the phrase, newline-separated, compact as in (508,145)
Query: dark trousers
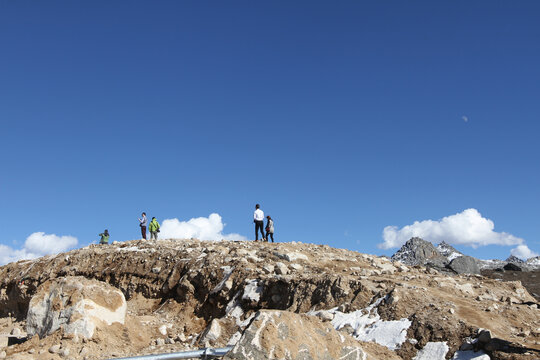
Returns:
(271,236)
(259,225)
(143,232)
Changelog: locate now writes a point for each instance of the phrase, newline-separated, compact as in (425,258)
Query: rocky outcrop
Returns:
(285,335)
(512,267)
(77,304)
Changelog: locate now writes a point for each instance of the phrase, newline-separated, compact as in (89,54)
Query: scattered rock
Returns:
(281,269)
(160,342)
(212,332)
(64,352)
(55,349)
(296,267)
(16,332)
(484,337)
(268,269)
(163,330)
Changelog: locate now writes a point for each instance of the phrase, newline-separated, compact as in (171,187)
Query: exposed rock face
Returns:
(464,265)
(417,251)
(77,304)
(285,335)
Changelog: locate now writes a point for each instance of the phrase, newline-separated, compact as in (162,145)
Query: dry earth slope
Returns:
(188,294)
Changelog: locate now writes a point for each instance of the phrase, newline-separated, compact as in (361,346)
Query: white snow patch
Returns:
(432,351)
(368,326)
(470,355)
(252,291)
(453,256)
(135,249)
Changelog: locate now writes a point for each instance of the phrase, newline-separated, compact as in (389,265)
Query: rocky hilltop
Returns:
(265,301)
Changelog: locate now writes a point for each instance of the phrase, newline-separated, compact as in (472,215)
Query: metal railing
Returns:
(195,354)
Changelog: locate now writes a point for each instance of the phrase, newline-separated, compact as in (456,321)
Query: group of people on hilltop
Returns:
(153,227)
(258,219)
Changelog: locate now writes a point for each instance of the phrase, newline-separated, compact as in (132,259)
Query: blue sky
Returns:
(340,119)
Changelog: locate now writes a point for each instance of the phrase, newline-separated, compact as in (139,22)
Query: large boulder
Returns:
(464,265)
(76,303)
(277,334)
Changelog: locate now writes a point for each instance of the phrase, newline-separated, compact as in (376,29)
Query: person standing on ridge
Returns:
(142,224)
(258,217)
(154,228)
(104,237)
(269,228)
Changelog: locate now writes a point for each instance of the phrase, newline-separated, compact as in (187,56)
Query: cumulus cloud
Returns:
(466,228)
(36,245)
(523,252)
(210,228)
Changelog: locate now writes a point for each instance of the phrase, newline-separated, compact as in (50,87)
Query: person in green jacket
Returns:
(104,237)
(154,228)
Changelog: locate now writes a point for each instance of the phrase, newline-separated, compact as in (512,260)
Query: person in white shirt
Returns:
(258,217)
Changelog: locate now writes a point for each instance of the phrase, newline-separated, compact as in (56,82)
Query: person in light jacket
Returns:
(258,219)
(269,228)
(154,229)
(142,224)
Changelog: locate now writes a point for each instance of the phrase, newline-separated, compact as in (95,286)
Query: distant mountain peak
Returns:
(417,251)
(514,259)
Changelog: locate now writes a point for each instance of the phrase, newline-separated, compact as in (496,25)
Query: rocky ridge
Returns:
(445,258)
(185,294)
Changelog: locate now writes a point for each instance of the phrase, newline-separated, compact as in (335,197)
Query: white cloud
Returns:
(466,228)
(36,245)
(465,118)
(523,252)
(210,228)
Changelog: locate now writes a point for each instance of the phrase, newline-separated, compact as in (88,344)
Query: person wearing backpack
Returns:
(154,229)
(104,237)
(269,228)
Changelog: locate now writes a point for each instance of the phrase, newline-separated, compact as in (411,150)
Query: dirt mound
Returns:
(180,291)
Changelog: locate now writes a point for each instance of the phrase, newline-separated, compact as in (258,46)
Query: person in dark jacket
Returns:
(104,237)
(269,228)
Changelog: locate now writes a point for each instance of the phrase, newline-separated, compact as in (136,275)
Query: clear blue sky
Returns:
(339,118)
